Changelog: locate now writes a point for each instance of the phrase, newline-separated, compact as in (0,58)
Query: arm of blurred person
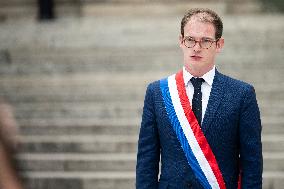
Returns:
(8,126)
(8,175)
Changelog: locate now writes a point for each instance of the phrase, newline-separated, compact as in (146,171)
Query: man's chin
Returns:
(194,65)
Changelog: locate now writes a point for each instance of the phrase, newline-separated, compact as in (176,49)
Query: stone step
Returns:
(271,124)
(81,94)
(77,162)
(103,128)
(78,144)
(106,97)
(108,162)
(115,128)
(108,109)
(273,161)
(110,180)
(32,2)
(79,180)
(273,180)
(108,143)
(273,143)
(102,80)
(16,2)
(274,127)
(59,121)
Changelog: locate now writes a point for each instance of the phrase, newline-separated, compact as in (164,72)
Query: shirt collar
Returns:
(208,77)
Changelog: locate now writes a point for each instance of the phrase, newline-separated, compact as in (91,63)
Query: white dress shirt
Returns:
(205,87)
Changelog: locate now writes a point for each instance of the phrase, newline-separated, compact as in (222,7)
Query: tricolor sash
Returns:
(194,144)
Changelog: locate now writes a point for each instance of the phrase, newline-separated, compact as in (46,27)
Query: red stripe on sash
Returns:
(202,141)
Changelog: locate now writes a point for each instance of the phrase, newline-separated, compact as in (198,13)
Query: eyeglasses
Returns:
(189,42)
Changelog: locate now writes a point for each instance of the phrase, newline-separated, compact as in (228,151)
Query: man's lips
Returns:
(196,57)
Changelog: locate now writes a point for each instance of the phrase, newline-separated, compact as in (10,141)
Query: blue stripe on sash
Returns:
(192,161)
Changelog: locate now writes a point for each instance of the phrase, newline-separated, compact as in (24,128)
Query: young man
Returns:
(204,126)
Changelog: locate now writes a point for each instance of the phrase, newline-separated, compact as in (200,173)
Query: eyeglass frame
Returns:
(195,41)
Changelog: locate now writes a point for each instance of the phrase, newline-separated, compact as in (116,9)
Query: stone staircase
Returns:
(77,86)
(15,9)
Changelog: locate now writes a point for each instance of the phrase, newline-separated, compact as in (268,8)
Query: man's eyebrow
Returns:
(189,37)
(202,38)
(207,38)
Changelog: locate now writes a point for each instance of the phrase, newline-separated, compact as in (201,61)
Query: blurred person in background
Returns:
(9,178)
(46,9)
(204,126)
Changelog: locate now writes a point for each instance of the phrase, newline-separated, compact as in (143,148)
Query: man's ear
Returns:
(180,40)
(220,44)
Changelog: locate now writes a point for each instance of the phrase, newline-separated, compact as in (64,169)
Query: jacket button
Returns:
(189,185)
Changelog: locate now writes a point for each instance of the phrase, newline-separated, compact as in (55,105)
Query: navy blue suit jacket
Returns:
(231,125)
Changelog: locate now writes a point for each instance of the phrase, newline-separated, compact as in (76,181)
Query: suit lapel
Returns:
(215,98)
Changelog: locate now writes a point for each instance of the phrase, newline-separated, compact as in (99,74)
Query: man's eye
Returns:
(206,41)
(190,40)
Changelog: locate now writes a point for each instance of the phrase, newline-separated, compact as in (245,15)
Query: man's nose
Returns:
(197,46)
